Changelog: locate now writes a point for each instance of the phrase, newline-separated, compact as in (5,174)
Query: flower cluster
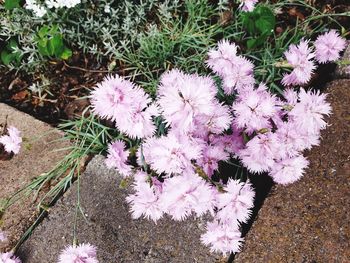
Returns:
(236,71)
(83,253)
(177,172)
(12,141)
(300,57)
(126,104)
(185,159)
(37,9)
(41,9)
(279,138)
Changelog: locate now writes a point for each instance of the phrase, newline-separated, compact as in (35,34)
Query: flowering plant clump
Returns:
(177,170)
(300,57)
(12,141)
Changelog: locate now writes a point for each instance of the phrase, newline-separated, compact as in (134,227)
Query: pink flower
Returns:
(172,154)
(12,141)
(145,200)
(253,109)
(309,113)
(189,97)
(172,79)
(9,257)
(230,143)
(291,96)
(236,202)
(185,194)
(215,123)
(212,154)
(239,77)
(113,97)
(3,236)
(83,253)
(224,238)
(235,71)
(290,140)
(126,104)
(117,157)
(260,152)
(248,5)
(328,46)
(300,58)
(289,170)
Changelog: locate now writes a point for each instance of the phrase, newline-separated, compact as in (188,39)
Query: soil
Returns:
(69,83)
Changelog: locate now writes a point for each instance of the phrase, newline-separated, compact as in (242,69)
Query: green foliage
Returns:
(89,28)
(51,44)
(11,53)
(11,4)
(260,24)
(173,43)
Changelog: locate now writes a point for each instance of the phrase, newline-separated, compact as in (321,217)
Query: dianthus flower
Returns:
(289,170)
(290,140)
(308,113)
(188,97)
(9,257)
(113,98)
(260,152)
(253,109)
(212,154)
(12,141)
(215,123)
(140,123)
(248,5)
(235,71)
(185,194)
(117,157)
(171,154)
(328,47)
(291,97)
(236,202)
(120,100)
(145,200)
(300,59)
(224,238)
(231,143)
(83,253)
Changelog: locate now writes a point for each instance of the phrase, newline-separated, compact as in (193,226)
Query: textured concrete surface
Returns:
(36,157)
(309,221)
(343,70)
(109,226)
